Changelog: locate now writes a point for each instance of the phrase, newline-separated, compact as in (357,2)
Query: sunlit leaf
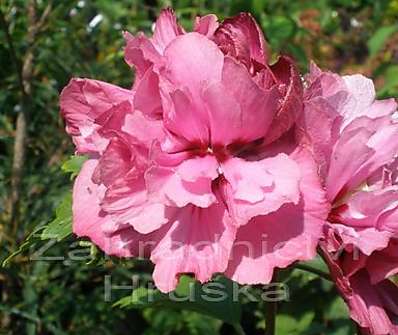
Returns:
(73,165)
(61,226)
(380,37)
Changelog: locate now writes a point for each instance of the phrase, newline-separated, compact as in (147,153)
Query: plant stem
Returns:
(271,311)
(309,268)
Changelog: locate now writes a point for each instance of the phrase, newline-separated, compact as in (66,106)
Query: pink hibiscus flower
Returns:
(197,167)
(355,141)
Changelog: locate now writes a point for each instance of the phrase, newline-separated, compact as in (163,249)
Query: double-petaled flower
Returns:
(355,141)
(197,166)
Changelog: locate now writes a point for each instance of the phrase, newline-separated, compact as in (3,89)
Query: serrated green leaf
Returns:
(214,299)
(61,226)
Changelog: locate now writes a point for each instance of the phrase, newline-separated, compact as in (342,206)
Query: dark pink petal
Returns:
(373,306)
(383,264)
(367,308)
(206,25)
(241,38)
(239,103)
(291,89)
(115,162)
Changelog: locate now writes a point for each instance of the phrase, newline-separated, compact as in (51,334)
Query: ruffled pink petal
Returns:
(351,96)
(142,129)
(319,127)
(224,115)
(282,237)
(114,163)
(367,240)
(185,120)
(291,88)
(238,103)
(362,100)
(371,306)
(194,62)
(371,208)
(166,30)
(382,142)
(198,242)
(371,141)
(370,303)
(367,308)
(260,187)
(147,96)
(199,167)
(384,263)
(206,25)
(114,237)
(179,187)
(140,53)
(127,202)
(342,166)
(89,219)
(84,101)
(241,38)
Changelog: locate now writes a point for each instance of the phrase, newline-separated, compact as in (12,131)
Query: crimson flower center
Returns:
(241,149)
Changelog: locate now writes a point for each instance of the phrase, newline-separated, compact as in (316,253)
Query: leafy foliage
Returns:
(190,295)
(73,165)
(61,226)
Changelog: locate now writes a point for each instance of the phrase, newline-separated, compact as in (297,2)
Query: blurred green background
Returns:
(84,38)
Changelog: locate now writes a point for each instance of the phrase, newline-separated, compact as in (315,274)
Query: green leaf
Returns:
(278,29)
(258,7)
(73,165)
(390,87)
(377,41)
(287,324)
(214,299)
(31,240)
(337,309)
(299,55)
(317,263)
(61,226)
